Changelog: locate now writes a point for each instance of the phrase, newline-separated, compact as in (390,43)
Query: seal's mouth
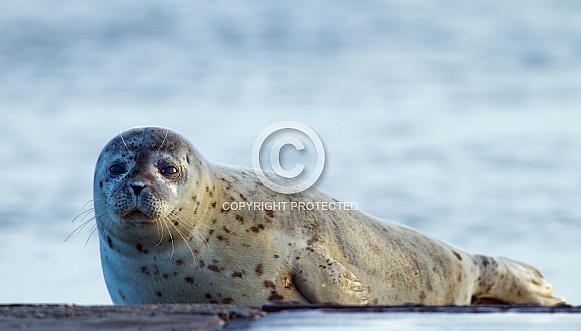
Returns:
(137,216)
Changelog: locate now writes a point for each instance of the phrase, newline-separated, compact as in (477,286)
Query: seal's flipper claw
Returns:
(512,282)
(322,279)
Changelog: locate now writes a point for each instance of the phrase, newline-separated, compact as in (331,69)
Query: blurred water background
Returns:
(461,119)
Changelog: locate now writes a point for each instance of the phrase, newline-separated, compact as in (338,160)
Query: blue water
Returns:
(459,119)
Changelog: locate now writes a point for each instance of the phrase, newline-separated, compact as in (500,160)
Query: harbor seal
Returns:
(168,234)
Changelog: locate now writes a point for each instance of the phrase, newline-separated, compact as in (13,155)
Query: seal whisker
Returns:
(91,234)
(123,140)
(108,221)
(190,226)
(205,240)
(163,141)
(79,228)
(165,221)
(160,231)
(83,214)
(183,237)
(204,224)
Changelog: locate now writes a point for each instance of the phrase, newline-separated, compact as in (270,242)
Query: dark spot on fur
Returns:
(243,197)
(189,280)
(208,296)
(226,229)
(239,218)
(211,232)
(269,284)
(122,295)
(141,249)
(109,242)
(227,301)
(297,257)
(176,223)
(259,269)
(457,255)
(194,198)
(276,256)
(214,268)
(310,249)
(236,274)
(269,213)
(144,270)
(257,228)
(101,184)
(213,204)
(214,221)
(201,263)
(375,301)
(313,240)
(165,276)
(274,296)
(484,261)
(180,262)
(158,293)
(422,296)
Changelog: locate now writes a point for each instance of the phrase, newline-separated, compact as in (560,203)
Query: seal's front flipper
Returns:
(321,279)
(506,281)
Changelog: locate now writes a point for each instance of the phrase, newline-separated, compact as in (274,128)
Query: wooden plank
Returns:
(145,317)
(284,316)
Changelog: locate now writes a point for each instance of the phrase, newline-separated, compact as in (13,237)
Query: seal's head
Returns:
(142,176)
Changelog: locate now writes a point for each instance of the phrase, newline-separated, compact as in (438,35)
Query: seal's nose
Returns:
(137,188)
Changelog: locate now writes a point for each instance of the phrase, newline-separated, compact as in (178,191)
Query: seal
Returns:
(168,234)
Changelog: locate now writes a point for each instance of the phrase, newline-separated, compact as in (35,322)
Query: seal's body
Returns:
(168,235)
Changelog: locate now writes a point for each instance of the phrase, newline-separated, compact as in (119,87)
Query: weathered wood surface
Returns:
(283,316)
(146,317)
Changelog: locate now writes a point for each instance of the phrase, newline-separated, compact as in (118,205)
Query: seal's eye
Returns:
(169,171)
(116,170)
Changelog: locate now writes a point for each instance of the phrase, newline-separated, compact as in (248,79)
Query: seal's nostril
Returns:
(137,188)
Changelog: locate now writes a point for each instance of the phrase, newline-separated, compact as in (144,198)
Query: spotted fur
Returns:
(165,237)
